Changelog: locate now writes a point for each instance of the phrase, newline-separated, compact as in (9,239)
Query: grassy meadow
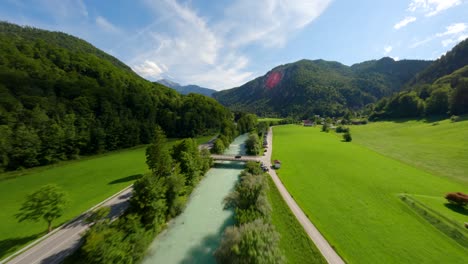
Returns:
(351,193)
(294,242)
(440,148)
(269,119)
(87,182)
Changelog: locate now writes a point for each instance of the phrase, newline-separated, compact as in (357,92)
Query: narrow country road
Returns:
(322,244)
(66,239)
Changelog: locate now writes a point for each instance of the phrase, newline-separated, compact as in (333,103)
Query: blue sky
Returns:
(222,44)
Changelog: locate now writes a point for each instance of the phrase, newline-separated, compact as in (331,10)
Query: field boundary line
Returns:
(37,241)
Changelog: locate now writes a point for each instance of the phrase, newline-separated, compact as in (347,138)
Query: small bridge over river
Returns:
(233,158)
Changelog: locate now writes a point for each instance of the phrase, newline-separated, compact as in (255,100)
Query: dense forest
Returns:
(306,87)
(453,60)
(60,97)
(441,89)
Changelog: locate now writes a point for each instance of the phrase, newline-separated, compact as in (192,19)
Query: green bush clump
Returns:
(454,118)
(253,239)
(347,136)
(342,129)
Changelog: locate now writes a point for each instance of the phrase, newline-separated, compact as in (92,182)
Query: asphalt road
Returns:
(322,244)
(64,241)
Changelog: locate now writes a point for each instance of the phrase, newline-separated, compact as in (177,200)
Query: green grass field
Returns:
(294,243)
(264,119)
(87,182)
(440,205)
(350,193)
(439,149)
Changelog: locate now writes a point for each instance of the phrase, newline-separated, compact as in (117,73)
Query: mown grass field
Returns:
(440,149)
(440,205)
(269,119)
(294,242)
(350,193)
(87,182)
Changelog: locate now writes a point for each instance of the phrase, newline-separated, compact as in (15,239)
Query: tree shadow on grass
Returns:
(10,245)
(127,179)
(457,208)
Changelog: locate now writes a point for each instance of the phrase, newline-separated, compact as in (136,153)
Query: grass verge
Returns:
(294,242)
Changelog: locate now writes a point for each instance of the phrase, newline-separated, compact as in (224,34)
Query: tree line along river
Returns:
(193,236)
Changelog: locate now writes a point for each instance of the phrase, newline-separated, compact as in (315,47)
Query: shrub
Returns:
(454,118)
(342,129)
(347,136)
(325,127)
(254,242)
(218,146)
(457,198)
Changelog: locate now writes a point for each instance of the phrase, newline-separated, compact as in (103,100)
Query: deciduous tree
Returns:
(47,203)
(255,242)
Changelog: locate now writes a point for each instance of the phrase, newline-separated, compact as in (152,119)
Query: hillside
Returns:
(186,89)
(60,97)
(320,87)
(440,89)
(453,60)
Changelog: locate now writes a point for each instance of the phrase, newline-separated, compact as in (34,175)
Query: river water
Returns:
(193,236)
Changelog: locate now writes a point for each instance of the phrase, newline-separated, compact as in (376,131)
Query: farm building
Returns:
(308,123)
(277,164)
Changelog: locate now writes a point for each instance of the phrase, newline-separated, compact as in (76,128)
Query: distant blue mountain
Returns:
(186,89)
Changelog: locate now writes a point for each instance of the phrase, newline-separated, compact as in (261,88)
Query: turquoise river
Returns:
(193,236)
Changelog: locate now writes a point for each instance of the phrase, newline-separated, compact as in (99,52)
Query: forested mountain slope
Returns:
(440,89)
(61,97)
(308,87)
(453,60)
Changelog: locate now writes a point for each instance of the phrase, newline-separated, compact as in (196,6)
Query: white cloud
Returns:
(150,69)
(387,49)
(432,7)
(105,25)
(455,32)
(404,22)
(64,9)
(462,37)
(453,29)
(209,52)
(396,58)
(268,22)
(447,42)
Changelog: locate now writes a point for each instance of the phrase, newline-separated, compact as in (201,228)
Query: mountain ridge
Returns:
(307,87)
(186,89)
